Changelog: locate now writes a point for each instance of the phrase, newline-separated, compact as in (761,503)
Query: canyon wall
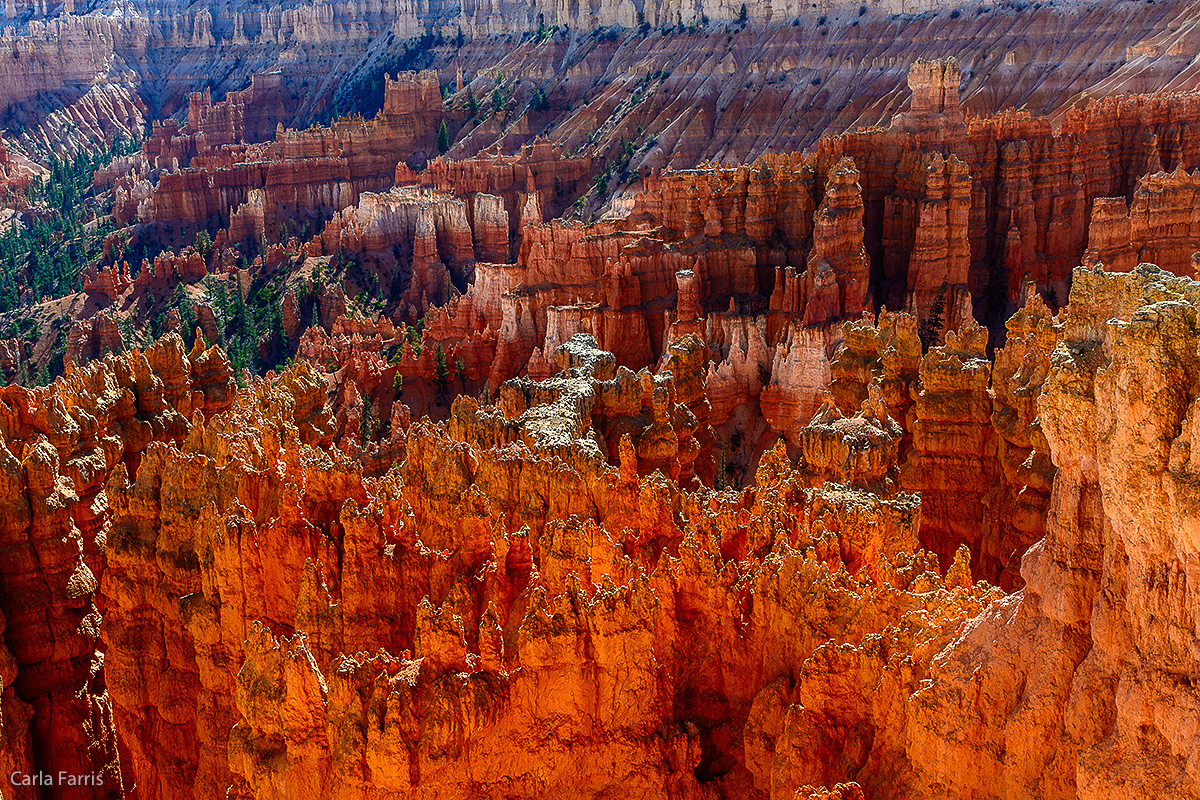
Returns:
(318,628)
(678,89)
(828,473)
(934,211)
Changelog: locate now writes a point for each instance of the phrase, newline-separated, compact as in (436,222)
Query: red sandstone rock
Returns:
(799,374)
(860,450)
(111,282)
(837,242)
(534,541)
(938,217)
(12,353)
(490,228)
(63,441)
(290,314)
(540,167)
(1081,614)
(406,636)
(951,425)
(249,115)
(94,338)
(1160,226)
(15,175)
(1019,515)
(316,171)
(576,561)
(887,353)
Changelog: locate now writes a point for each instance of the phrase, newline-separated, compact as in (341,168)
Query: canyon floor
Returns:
(460,401)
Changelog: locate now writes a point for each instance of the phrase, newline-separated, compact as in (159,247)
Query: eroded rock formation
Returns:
(60,444)
(302,176)
(814,476)
(1078,660)
(1160,226)
(318,627)
(507,553)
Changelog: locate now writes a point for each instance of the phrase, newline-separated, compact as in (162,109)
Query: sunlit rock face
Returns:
(509,549)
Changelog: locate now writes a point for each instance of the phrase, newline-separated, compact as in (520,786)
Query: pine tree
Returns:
(443,141)
(929,330)
(441,372)
(367,424)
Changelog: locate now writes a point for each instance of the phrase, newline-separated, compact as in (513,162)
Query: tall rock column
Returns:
(491,228)
(1017,506)
(1016,225)
(953,457)
(941,252)
(429,274)
(799,375)
(934,86)
(838,252)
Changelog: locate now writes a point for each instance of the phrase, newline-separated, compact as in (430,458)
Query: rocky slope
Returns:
(693,76)
(60,445)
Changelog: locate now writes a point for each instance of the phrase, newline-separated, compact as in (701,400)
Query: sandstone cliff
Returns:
(1078,660)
